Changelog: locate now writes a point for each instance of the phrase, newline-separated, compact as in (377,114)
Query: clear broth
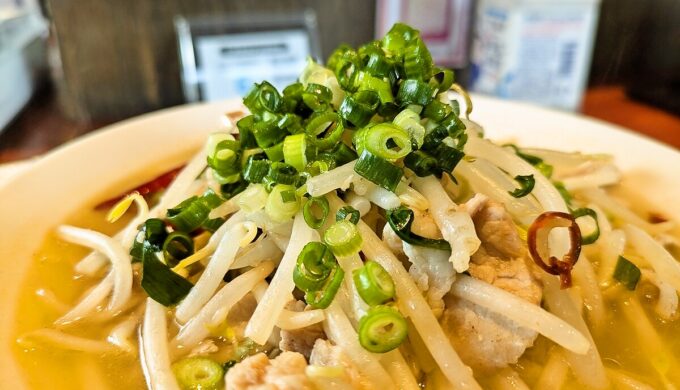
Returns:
(46,367)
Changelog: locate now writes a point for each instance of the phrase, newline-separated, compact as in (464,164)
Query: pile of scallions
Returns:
(381,111)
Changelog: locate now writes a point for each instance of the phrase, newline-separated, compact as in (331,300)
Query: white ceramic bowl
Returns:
(80,173)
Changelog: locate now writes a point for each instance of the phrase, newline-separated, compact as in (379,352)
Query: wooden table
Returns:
(42,126)
(612,105)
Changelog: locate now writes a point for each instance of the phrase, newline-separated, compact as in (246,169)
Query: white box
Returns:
(533,50)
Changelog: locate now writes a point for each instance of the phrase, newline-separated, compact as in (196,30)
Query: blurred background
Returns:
(70,66)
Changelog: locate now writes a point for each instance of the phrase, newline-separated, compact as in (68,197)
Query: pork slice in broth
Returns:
(486,340)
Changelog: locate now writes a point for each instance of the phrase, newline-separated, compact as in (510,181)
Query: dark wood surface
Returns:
(119,58)
(43,126)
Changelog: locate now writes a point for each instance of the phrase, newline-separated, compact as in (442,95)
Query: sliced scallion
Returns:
(421,163)
(177,246)
(314,265)
(159,282)
(358,109)
(401,219)
(255,169)
(382,329)
(410,121)
(343,238)
(415,92)
(348,211)
(627,273)
(316,206)
(589,238)
(191,213)
(526,185)
(385,140)
(295,151)
(280,207)
(198,373)
(378,170)
(281,173)
(373,283)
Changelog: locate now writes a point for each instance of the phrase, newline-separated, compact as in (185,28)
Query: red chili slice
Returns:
(537,240)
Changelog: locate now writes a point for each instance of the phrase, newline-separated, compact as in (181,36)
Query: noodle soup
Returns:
(360,236)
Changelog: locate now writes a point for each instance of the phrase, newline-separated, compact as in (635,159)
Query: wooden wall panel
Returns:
(119,58)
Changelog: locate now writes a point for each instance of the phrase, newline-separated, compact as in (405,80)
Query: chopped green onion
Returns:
(224,157)
(373,283)
(415,92)
(214,139)
(410,121)
(526,185)
(384,140)
(587,239)
(314,265)
(278,208)
(291,123)
(198,373)
(421,163)
(323,164)
(381,87)
(559,186)
(320,121)
(398,37)
(347,71)
(295,151)
(212,224)
(443,79)
(344,211)
(379,65)
(468,102)
(317,97)
(325,122)
(318,274)
(337,55)
(245,131)
(262,99)
(342,154)
(177,246)
(545,169)
(382,329)
(343,238)
(192,212)
(267,134)
(281,173)
(447,157)
(275,153)
(437,111)
(531,159)
(358,109)
(292,97)
(227,178)
(255,169)
(454,127)
(627,273)
(309,213)
(233,189)
(322,298)
(378,170)
(401,219)
(331,138)
(152,233)
(159,282)
(288,196)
